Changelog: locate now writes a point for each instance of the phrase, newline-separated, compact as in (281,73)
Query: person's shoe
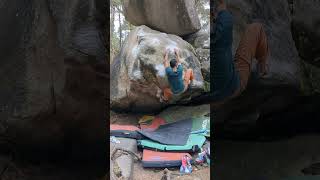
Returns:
(263,70)
(191,82)
(163,100)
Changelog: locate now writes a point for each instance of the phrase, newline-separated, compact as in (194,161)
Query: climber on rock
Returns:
(178,79)
(230,75)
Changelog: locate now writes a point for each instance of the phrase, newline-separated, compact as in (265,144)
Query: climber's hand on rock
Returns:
(165,60)
(166,52)
(176,51)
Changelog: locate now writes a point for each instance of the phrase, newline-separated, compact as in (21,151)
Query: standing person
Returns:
(230,76)
(178,79)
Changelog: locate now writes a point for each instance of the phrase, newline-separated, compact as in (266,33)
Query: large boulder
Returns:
(306,34)
(282,85)
(204,58)
(201,42)
(284,59)
(53,74)
(175,17)
(306,29)
(201,38)
(272,108)
(138,72)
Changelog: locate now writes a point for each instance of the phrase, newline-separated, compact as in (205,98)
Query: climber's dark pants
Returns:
(253,44)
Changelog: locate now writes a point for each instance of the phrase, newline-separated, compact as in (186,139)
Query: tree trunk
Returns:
(112,9)
(112,19)
(120,30)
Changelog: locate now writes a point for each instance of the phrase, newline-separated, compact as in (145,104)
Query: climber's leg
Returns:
(188,77)
(167,94)
(252,45)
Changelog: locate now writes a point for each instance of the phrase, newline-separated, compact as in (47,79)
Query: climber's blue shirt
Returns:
(225,79)
(175,79)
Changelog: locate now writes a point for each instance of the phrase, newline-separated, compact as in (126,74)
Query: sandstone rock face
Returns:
(276,102)
(306,29)
(201,38)
(201,42)
(283,82)
(271,109)
(204,58)
(139,71)
(53,72)
(284,58)
(173,17)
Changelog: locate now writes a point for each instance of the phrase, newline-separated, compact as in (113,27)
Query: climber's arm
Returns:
(218,31)
(176,51)
(165,60)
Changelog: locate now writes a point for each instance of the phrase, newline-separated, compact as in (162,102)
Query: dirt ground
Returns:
(140,173)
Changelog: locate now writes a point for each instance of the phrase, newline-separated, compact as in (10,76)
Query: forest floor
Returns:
(140,173)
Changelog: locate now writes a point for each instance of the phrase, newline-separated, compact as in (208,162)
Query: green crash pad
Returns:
(195,141)
(199,114)
(201,123)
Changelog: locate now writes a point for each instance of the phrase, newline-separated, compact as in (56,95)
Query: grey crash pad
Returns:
(176,133)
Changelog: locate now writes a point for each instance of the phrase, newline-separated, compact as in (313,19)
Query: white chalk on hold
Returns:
(137,74)
(135,51)
(161,70)
(205,123)
(171,47)
(155,41)
(197,83)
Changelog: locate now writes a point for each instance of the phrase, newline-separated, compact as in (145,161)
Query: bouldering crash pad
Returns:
(200,124)
(200,127)
(125,131)
(175,133)
(154,124)
(162,159)
(145,118)
(194,142)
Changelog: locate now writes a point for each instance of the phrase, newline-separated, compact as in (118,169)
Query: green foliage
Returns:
(203,9)
(114,45)
(116,3)
(206,86)
(115,31)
